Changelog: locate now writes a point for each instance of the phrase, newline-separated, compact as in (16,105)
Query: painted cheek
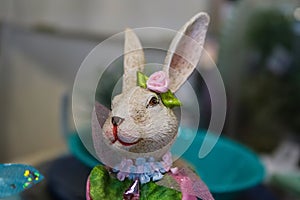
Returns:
(109,135)
(140,117)
(138,114)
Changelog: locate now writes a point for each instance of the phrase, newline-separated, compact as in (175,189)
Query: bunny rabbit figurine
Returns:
(134,138)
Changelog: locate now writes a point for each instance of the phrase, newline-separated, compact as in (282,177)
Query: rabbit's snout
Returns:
(116,121)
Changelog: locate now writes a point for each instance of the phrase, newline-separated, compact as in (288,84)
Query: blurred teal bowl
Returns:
(80,152)
(227,170)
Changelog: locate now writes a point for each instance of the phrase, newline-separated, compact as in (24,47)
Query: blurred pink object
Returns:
(87,192)
(191,185)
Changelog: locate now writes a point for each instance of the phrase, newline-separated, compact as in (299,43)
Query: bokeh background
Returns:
(255,44)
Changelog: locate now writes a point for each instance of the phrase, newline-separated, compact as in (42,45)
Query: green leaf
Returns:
(152,191)
(142,80)
(104,186)
(169,99)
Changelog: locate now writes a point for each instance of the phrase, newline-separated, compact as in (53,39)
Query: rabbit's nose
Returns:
(116,121)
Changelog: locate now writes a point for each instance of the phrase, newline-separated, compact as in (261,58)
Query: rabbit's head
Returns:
(140,121)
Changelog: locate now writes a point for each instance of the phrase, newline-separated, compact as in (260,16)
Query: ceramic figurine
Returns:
(134,138)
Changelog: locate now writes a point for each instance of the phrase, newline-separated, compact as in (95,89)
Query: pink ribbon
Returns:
(191,185)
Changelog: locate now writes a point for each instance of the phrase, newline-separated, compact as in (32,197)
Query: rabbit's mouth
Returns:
(116,138)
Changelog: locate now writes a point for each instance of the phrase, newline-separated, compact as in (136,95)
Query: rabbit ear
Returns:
(133,59)
(185,50)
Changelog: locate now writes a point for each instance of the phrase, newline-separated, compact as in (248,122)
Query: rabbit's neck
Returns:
(145,169)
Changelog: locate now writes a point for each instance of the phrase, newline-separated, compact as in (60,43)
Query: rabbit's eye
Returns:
(153,102)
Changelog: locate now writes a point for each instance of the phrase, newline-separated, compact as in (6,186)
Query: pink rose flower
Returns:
(158,82)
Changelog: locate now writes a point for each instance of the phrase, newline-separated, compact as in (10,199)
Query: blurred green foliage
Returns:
(259,60)
(270,97)
(268,28)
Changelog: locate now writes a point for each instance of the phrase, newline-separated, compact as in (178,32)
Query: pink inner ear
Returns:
(185,50)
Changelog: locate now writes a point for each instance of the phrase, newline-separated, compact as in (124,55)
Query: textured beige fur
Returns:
(153,128)
(133,59)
